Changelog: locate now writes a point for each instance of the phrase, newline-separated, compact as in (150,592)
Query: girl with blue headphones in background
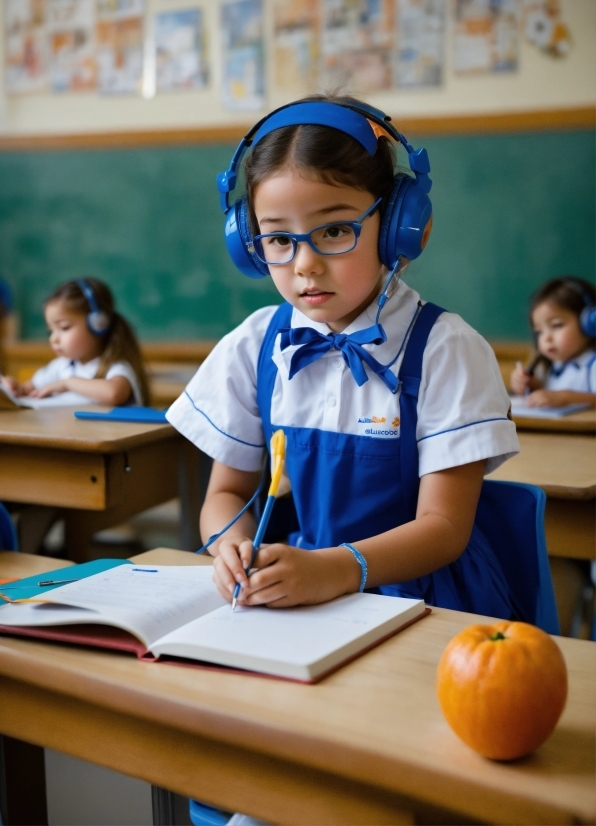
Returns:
(563,316)
(98,356)
(392,408)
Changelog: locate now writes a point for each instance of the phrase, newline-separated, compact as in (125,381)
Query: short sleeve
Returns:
(124,369)
(218,410)
(49,373)
(463,407)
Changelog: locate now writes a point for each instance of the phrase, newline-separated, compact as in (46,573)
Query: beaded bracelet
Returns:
(360,560)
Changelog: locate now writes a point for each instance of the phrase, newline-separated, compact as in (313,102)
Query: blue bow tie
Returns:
(314,344)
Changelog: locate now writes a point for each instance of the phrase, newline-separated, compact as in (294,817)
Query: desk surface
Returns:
(564,466)
(56,427)
(369,738)
(583,422)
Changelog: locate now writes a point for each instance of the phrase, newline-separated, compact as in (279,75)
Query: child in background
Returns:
(385,487)
(98,356)
(562,316)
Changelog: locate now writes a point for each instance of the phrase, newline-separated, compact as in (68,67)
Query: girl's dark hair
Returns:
(334,157)
(567,292)
(120,342)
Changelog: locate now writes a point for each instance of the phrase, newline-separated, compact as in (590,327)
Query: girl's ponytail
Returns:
(122,345)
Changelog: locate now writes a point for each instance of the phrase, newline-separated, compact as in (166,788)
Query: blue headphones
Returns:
(587,317)
(98,322)
(406,217)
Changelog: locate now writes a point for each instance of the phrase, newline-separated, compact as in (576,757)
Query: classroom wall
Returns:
(510,212)
(541,82)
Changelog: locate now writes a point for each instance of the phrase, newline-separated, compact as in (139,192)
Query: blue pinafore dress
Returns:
(348,487)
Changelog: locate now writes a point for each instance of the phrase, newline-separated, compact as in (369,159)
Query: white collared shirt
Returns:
(462,402)
(577,374)
(63,368)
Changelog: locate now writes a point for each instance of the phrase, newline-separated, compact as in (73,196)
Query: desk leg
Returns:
(22,783)
(162,802)
(194,468)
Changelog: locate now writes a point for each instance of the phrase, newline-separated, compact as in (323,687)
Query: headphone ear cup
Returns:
(407,220)
(389,222)
(98,322)
(587,321)
(239,241)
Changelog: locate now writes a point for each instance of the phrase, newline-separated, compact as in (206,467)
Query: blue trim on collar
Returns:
(219,430)
(462,426)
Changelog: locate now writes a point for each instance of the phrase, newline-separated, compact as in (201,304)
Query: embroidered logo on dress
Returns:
(380,420)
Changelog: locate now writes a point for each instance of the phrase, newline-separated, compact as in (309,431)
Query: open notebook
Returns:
(8,401)
(520,409)
(169,611)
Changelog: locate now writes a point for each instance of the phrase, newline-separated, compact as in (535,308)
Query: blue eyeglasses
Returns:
(329,239)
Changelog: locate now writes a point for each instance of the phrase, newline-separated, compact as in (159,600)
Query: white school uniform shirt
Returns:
(577,374)
(64,368)
(462,404)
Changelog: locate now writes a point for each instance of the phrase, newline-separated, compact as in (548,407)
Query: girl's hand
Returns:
(549,398)
(233,556)
(290,576)
(12,385)
(520,381)
(50,389)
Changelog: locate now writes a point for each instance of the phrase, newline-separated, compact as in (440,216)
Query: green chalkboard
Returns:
(510,212)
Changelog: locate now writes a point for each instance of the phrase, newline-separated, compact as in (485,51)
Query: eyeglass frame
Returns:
(297,238)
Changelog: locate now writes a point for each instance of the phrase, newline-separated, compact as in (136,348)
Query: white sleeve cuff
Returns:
(494,440)
(203,431)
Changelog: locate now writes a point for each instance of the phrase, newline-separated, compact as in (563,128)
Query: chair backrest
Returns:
(512,515)
(8,534)
(202,814)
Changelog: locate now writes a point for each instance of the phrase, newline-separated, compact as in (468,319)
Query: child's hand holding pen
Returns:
(522,378)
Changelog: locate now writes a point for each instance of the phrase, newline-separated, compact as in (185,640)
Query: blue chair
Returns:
(203,815)
(8,534)
(512,515)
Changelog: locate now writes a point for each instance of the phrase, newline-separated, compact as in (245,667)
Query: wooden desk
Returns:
(290,753)
(101,473)
(368,745)
(583,422)
(564,466)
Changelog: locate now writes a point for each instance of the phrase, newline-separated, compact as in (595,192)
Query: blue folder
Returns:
(144,415)
(29,587)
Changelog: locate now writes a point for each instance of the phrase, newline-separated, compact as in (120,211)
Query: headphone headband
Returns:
(98,322)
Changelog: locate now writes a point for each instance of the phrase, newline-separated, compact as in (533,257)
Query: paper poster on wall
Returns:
(180,50)
(357,39)
(486,37)
(243,54)
(119,36)
(544,27)
(420,50)
(296,45)
(71,40)
(26,46)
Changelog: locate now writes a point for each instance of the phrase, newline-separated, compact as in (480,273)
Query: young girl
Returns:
(391,420)
(562,315)
(98,356)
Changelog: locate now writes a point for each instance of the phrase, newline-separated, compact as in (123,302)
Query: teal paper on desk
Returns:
(28,587)
(142,415)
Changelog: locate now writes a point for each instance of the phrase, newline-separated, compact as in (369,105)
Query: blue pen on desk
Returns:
(278,457)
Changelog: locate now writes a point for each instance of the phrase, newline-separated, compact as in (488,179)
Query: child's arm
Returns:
(436,537)
(115,391)
(560,398)
(227,493)
(17,388)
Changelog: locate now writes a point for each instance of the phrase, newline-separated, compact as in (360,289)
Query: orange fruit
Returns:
(502,687)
